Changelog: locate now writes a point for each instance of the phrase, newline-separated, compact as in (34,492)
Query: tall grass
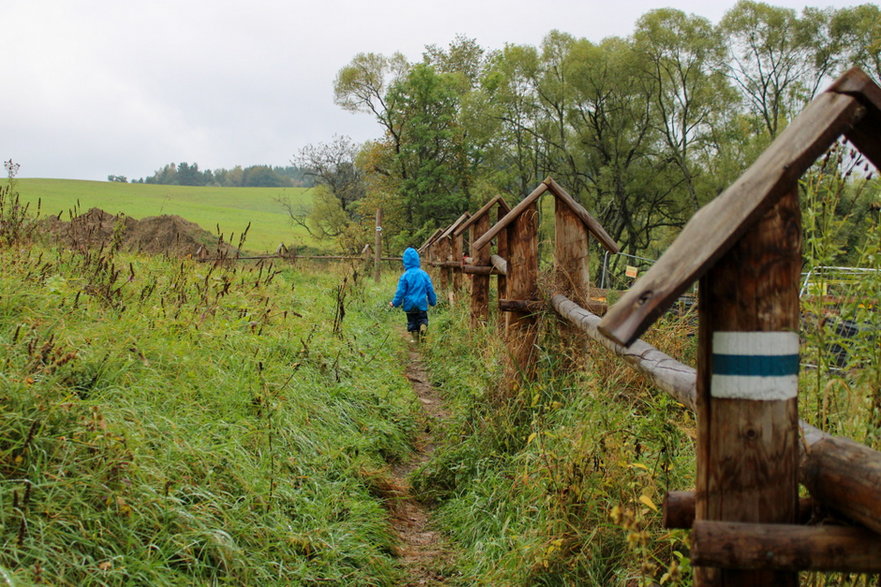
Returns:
(163,422)
(562,484)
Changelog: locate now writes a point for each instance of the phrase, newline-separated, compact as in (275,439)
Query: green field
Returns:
(229,208)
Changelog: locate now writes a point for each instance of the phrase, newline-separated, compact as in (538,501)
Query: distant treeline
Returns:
(253,176)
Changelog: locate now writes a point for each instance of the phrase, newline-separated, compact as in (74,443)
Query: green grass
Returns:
(229,208)
(552,485)
(165,422)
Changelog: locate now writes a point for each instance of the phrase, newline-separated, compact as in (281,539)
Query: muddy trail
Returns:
(424,552)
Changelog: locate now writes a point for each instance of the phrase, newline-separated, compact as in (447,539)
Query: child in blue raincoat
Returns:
(415,293)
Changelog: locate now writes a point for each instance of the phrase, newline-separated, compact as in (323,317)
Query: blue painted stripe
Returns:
(755,365)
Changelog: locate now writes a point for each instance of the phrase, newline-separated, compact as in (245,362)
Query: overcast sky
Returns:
(90,88)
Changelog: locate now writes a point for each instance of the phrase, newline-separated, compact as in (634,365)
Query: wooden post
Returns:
(571,277)
(479,283)
(377,248)
(522,284)
(747,447)
(571,254)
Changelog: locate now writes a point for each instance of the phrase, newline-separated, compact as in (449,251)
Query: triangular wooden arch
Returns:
(594,227)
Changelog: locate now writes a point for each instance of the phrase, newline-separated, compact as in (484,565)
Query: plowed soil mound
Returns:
(166,234)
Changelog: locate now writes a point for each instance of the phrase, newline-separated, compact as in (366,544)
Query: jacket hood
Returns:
(411,258)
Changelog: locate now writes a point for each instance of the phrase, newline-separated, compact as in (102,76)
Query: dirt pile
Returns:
(166,234)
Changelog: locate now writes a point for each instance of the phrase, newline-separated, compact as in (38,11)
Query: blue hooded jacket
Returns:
(415,290)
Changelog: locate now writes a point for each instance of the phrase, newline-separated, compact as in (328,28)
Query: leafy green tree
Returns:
(263,176)
(775,59)
(509,88)
(189,174)
(856,32)
(363,86)
(428,148)
(630,186)
(690,96)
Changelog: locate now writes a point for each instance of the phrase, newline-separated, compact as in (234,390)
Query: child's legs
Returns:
(415,319)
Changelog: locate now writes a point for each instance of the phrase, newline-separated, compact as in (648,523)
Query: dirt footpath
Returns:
(424,553)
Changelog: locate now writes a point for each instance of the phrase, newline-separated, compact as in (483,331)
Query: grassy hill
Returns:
(229,208)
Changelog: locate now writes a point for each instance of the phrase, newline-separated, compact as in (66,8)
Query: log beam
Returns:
(784,547)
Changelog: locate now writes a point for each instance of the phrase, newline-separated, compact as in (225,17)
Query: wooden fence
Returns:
(744,249)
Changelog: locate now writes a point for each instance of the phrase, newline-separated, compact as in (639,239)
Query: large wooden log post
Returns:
(479,283)
(572,278)
(522,284)
(747,383)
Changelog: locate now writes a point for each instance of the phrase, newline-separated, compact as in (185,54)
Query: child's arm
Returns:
(400,292)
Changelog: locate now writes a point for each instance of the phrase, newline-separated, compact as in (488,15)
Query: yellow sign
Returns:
(631,271)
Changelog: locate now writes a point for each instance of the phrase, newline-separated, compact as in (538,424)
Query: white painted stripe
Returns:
(769,344)
(754,388)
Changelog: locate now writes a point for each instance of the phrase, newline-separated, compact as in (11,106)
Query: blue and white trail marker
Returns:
(760,366)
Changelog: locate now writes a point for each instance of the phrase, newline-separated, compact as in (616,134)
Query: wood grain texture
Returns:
(480,283)
(456,256)
(866,134)
(717,226)
(571,255)
(499,264)
(747,450)
(679,509)
(784,547)
(522,285)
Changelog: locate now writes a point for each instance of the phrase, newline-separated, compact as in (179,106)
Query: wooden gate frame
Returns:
(745,248)
(573,227)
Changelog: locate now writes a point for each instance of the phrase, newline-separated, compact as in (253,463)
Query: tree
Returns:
(363,86)
(510,87)
(427,150)
(679,54)
(857,34)
(263,176)
(333,165)
(189,174)
(632,190)
(775,59)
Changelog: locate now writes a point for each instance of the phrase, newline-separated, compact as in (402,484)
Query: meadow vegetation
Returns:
(167,422)
(226,210)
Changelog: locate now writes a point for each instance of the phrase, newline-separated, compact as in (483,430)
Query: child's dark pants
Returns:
(415,319)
